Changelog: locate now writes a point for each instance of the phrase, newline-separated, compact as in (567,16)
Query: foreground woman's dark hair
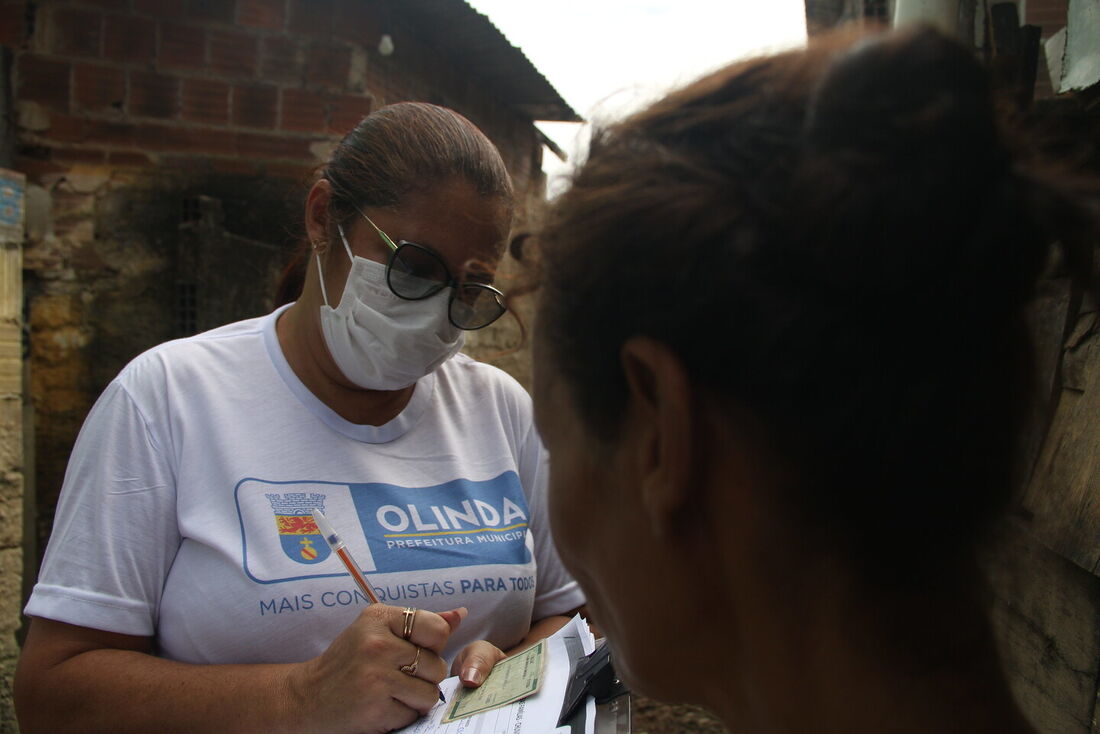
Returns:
(842,242)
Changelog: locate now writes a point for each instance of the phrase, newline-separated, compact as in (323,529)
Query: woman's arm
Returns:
(91,680)
(79,679)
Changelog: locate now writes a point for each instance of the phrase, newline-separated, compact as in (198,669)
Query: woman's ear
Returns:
(317,214)
(662,428)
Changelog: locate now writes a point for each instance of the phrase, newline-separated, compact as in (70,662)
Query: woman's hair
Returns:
(840,240)
(404,148)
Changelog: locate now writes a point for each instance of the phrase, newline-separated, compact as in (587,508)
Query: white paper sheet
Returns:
(537,714)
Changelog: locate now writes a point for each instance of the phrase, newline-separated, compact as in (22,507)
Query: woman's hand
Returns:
(475,662)
(357,685)
(477,659)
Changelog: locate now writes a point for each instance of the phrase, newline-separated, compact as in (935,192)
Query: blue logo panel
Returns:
(459,523)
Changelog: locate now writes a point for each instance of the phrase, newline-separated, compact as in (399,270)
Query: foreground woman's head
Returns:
(781,343)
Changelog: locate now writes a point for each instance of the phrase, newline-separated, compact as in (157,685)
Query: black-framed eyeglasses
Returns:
(415,272)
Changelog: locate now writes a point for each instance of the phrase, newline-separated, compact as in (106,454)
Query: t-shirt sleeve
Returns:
(556,592)
(115,533)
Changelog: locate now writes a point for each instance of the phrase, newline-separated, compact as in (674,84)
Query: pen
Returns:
(340,548)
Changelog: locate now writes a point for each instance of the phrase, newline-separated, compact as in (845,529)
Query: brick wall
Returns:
(126,107)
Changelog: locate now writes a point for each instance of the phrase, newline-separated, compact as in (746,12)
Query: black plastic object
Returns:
(594,676)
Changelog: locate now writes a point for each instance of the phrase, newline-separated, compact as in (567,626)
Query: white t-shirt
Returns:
(185,512)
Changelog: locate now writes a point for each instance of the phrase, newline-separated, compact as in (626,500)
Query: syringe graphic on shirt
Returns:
(340,548)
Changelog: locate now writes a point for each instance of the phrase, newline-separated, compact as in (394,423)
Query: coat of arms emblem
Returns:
(298,533)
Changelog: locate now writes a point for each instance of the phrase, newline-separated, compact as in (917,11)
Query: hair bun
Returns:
(914,91)
(906,175)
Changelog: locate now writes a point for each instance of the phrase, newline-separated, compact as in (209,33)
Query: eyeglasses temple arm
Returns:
(385,237)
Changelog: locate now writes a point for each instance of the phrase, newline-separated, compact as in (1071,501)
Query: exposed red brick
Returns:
(182,45)
(206,101)
(76,32)
(267,14)
(280,60)
(67,129)
(77,155)
(98,87)
(13,24)
(44,81)
(346,110)
(311,16)
(235,54)
(222,11)
(235,166)
(357,21)
(1049,23)
(109,4)
(153,95)
(189,163)
(273,146)
(129,38)
(302,110)
(193,140)
(124,159)
(328,64)
(35,168)
(1046,18)
(1035,14)
(255,105)
(299,173)
(1050,14)
(108,132)
(175,9)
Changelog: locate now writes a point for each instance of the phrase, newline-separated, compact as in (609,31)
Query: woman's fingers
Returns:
(369,679)
(428,666)
(475,662)
(425,629)
(416,693)
(454,617)
(397,713)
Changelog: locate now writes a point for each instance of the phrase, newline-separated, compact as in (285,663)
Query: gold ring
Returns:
(410,669)
(409,615)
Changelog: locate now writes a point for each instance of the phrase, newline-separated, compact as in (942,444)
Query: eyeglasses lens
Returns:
(416,273)
(475,306)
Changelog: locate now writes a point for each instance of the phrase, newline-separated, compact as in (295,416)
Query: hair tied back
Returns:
(912,93)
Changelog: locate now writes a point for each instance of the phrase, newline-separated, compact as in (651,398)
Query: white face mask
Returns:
(380,341)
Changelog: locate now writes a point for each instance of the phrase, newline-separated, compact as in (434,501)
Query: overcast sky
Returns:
(606,57)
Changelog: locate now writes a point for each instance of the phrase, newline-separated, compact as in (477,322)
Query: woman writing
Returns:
(185,576)
(781,341)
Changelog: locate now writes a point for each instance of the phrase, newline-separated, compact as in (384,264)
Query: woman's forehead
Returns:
(454,220)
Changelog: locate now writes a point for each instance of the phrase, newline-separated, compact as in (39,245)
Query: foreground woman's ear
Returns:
(660,428)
